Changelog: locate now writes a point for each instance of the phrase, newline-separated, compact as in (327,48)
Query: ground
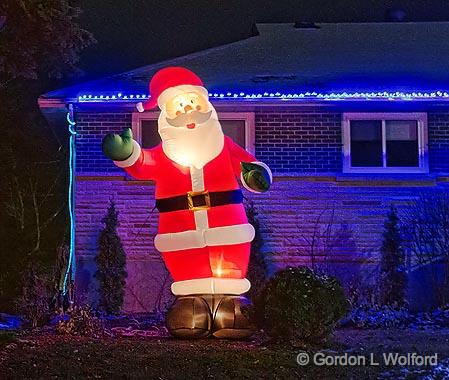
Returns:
(50,356)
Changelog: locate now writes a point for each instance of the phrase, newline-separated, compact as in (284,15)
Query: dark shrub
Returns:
(392,277)
(35,299)
(111,264)
(298,305)
(81,321)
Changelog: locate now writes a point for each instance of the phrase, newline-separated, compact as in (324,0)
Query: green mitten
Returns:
(256,177)
(118,147)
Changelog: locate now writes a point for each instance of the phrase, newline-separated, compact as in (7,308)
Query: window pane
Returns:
(150,135)
(235,129)
(366,143)
(402,142)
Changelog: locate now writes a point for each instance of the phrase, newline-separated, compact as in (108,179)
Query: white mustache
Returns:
(196,117)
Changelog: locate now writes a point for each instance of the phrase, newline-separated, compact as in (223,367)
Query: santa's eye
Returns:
(192,101)
(180,104)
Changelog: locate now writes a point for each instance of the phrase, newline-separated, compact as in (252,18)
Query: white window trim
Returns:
(423,159)
(247,117)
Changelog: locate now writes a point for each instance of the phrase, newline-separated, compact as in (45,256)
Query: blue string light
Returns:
(71,265)
(120,97)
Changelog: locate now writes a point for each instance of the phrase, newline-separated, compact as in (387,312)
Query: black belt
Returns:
(200,200)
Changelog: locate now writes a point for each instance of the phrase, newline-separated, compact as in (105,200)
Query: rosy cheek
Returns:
(198,108)
(178,113)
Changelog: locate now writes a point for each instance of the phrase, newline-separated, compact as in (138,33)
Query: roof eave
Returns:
(44,102)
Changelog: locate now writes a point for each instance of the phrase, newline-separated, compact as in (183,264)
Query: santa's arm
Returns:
(127,154)
(255,175)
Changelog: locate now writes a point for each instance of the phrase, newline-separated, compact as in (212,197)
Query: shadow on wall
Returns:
(357,274)
(86,290)
(424,286)
(425,230)
(330,247)
(147,285)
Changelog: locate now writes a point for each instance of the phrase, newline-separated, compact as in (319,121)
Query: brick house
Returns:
(350,117)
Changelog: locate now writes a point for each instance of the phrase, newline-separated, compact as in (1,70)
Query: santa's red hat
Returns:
(169,82)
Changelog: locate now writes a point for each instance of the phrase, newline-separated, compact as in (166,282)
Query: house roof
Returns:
(319,59)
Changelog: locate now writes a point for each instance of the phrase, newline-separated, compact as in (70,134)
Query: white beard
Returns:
(192,147)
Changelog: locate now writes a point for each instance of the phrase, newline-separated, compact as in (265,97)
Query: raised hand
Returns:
(118,147)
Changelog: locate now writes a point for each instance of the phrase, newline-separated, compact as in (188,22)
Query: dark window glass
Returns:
(402,142)
(150,135)
(235,129)
(366,143)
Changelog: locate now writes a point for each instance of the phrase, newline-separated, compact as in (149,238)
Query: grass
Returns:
(7,337)
(51,356)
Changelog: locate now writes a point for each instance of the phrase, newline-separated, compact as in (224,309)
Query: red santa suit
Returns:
(203,234)
(205,250)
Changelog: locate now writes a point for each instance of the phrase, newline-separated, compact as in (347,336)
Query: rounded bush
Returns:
(299,305)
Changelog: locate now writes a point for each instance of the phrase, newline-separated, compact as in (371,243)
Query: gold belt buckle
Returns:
(192,194)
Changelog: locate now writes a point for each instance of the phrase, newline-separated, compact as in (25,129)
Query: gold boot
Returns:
(189,318)
(228,319)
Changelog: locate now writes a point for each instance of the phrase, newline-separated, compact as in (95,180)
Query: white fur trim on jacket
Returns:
(227,235)
(171,92)
(131,160)
(266,167)
(211,285)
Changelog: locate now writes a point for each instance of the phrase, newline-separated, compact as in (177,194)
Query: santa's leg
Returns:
(212,276)
(209,270)
(230,263)
(190,316)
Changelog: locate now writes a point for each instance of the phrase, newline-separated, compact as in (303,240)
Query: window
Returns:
(390,142)
(237,125)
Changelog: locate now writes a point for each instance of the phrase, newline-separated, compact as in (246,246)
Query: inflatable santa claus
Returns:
(203,235)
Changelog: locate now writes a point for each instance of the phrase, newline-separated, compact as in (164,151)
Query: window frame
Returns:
(423,149)
(247,117)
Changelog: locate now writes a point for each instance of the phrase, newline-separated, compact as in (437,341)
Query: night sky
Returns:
(135,33)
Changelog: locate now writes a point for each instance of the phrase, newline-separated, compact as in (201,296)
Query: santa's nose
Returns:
(188,108)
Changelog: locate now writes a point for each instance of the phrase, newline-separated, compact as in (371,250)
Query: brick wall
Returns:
(91,128)
(298,207)
(134,202)
(346,218)
(438,123)
(289,141)
(299,141)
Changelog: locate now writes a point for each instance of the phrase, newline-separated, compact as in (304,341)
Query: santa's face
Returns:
(190,131)
(183,110)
